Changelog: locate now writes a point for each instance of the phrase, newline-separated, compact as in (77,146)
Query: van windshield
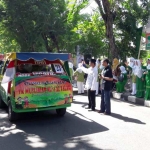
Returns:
(39,69)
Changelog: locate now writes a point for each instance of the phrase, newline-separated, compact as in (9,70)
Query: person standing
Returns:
(133,78)
(147,74)
(98,67)
(140,84)
(132,66)
(71,69)
(80,80)
(129,74)
(120,85)
(85,66)
(107,79)
(92,74)
(115,67)
(115,64)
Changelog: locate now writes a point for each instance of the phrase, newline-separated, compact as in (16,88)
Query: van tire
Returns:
(61,112)
(12,116)
(2,104)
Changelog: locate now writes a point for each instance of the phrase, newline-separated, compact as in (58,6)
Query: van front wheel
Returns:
(12,116)
(61,112)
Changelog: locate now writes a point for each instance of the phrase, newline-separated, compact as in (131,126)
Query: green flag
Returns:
(147,41)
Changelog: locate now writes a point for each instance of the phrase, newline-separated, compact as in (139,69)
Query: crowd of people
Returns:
(101,78)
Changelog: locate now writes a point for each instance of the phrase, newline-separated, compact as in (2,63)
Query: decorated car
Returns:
(35,82)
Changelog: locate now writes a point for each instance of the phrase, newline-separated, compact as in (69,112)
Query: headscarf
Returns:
(138,69)
(70,65)
(80,65)
(115,63)
(148,65)
(79,69)
(123,70)
(101,67)
(133,66)
(131,62)
(97,62)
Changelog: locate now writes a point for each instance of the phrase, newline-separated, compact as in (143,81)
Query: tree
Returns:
(121,18)
(107,10)
(35,24)
(7,43)
(92,35)
(72,37)
(131,16)
(39,25)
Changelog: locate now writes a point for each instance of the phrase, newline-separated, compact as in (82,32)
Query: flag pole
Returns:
(139,50)
(140,31)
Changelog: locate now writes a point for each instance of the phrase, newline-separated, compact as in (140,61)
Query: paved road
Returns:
(128,128)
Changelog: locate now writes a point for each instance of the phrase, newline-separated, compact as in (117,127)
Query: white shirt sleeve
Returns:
(85,70)
(94,82)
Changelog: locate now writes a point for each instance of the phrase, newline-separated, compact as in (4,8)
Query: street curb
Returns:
(124,96)
(147,103)
(127,97)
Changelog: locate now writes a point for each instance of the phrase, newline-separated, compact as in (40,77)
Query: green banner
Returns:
(44,91)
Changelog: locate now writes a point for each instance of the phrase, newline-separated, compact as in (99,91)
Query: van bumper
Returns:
(40,108)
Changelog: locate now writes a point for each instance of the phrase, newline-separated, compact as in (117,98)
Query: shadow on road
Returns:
(126,119)
(83,104)
(44,130)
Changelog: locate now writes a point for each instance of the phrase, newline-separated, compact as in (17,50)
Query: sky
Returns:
(89,9)
(92,6)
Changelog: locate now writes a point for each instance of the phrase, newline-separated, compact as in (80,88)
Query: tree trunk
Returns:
(54,40)
(108,17)
(46,43)
(110,36)
(33,48)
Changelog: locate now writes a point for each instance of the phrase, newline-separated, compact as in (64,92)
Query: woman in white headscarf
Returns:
(80,79)
(131,66)
(122,80)
(147,94)
(140,84)
(71,69)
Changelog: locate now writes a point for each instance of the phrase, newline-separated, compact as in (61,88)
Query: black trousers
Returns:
(91,98)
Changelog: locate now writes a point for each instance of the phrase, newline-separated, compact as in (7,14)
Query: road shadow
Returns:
(83,104)
(128,102)
(117,100)
(85,95)
(127,119)
(44,130)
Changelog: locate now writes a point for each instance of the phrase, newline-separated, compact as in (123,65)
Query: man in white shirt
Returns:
(91,82)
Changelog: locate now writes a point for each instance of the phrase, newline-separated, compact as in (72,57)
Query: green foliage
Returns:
(127,16)
(130,15)
(71,39)
(7,43)
(92,35)
(36,25)
(57,25)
